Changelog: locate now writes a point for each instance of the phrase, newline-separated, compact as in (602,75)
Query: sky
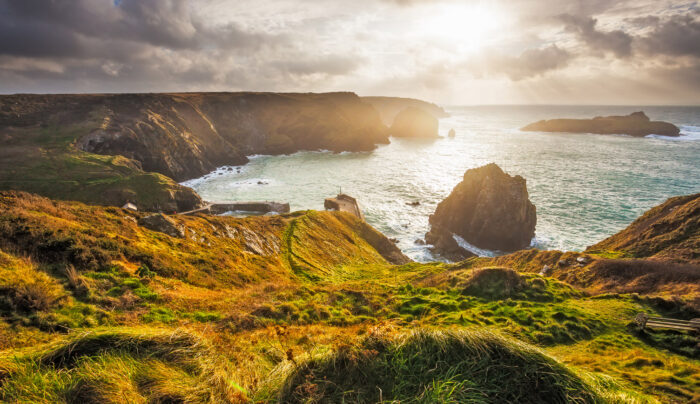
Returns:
(453,52)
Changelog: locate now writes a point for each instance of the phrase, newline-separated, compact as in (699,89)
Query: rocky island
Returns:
(489,209)
(635,124)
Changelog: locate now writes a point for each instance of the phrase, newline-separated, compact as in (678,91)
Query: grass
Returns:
(119,366)
(426,366)
(45,161)
(279,298)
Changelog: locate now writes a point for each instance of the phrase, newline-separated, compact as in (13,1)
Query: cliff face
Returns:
(107,148)
(187,135)
(669,232)
(635,124)
(389,107)
(489,209)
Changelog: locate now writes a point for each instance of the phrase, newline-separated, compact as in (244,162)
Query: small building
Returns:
(130,206)
(344,203)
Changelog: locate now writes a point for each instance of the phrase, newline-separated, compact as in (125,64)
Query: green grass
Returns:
(118,366)
(438,366)
(46,162)
(291,295)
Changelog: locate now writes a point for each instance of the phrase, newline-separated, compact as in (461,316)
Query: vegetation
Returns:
(307,307)
(45,161)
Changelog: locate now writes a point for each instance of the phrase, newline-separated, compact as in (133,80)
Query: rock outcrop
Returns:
(635,124)
(389,107)
(162,224)
(414,122)
(668,232)
(489,209)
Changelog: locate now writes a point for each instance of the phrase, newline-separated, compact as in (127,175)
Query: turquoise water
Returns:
(586,187)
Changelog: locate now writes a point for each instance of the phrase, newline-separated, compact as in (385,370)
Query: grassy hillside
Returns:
(668,232)
(44,160)
(307,307)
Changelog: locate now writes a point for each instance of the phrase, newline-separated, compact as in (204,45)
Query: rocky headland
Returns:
(635,124)
(390,107)
(416,123)
(489,209)
(114,148)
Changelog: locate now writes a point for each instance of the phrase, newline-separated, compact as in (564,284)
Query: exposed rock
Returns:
(384,246)
(669,232)
(451,133)
(389,107)
(489,209)
(163,224)
(414,122)
(635,124)
(419,241)
(414,203)
(444,245)
(546,269)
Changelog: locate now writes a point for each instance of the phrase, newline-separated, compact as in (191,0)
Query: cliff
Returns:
(180,136)
(389,107)
(635,124)
(669,232)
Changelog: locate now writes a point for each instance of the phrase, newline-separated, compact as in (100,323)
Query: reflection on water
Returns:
(585,187)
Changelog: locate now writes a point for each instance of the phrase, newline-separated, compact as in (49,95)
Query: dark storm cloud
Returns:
(617,41)
(676,36)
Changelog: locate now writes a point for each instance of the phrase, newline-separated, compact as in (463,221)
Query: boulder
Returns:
(414,122)
(451,133)
(163,224)
(635,124)
(489,209)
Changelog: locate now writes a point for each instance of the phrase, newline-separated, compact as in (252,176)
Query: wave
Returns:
(688,133)
(481,252)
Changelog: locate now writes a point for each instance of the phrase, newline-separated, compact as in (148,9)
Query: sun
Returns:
(468,26)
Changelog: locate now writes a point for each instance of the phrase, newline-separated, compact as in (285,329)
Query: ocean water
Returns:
(586,187)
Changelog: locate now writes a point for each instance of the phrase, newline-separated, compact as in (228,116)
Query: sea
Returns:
(586,187)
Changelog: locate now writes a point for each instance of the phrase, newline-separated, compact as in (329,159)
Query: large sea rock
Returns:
(635,124)
(489,209)
(414,122)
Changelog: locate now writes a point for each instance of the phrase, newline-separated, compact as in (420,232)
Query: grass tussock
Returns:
(24,289)
(122,366)
(439,366)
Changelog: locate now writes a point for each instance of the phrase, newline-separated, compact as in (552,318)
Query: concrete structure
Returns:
(344,203)
(217,208)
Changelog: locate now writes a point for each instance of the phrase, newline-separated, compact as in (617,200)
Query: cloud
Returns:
(541,48)
(617,41)
(676,36)
(530,63)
